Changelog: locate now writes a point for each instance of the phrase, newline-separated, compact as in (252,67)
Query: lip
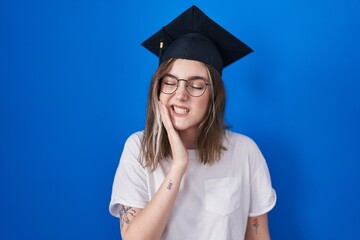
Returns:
(179,110)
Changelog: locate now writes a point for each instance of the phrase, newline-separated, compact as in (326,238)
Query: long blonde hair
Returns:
(155,145)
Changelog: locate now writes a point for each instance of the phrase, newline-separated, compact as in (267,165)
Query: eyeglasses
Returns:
(195,86)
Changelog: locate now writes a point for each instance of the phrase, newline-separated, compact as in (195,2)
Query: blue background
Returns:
(73,86)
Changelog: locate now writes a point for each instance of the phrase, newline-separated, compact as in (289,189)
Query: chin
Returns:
(184,127)
(180,127)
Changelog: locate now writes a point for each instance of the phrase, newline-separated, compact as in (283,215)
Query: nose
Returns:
(181,92)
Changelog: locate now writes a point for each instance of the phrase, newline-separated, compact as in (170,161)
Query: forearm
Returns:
(151,221)
(257,228)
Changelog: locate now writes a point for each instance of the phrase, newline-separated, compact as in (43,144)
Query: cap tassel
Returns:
(161,47)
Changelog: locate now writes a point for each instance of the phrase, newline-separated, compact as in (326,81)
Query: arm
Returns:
(257,228)
(149,223)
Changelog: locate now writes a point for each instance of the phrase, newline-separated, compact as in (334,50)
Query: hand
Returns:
(178,149)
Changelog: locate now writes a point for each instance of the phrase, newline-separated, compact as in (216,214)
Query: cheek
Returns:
(203,107)
(163,98)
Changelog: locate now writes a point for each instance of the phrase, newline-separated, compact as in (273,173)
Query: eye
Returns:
(170,81)
(197,84)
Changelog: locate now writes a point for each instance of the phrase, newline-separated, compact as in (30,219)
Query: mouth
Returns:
(180,110)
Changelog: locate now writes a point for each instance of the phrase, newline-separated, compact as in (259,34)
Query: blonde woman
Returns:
(186,176)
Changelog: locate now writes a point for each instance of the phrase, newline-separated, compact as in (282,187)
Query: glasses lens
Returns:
(168,84)
(196,87)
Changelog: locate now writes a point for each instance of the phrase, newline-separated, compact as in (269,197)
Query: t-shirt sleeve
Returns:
(130,185)
(263,196)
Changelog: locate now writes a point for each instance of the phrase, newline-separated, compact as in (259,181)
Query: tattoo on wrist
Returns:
(169,186)
(125,213)
(255,223)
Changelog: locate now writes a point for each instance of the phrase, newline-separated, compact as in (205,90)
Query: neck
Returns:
(189,139)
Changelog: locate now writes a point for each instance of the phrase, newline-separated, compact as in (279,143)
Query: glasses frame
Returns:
(184,80)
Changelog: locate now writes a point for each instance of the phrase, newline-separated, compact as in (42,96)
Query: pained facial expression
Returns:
(186,111)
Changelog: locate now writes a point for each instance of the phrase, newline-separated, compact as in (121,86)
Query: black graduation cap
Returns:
(193,35)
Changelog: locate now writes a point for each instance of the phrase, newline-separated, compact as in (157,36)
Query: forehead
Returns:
(183,68)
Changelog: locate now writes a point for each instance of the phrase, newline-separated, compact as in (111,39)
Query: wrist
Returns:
(180,166)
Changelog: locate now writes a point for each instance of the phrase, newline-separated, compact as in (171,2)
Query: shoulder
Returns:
(135,138)
(245,148)
(132,146)
(240,144)
(239,140)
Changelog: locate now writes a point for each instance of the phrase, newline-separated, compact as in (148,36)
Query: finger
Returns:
(163,112)
(165,116)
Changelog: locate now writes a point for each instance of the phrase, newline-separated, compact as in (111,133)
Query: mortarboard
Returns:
(194,36)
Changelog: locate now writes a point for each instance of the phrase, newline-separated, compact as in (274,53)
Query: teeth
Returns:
(180,110)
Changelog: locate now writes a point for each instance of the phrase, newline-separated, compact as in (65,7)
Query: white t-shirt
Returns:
(214,201)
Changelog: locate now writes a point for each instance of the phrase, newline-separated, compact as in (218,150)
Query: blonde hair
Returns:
(155,145)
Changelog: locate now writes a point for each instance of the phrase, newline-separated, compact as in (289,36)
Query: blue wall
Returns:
(73,86)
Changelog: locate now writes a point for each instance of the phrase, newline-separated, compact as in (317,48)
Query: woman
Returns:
(185,176)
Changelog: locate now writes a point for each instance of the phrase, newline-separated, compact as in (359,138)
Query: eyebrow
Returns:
(190,78)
